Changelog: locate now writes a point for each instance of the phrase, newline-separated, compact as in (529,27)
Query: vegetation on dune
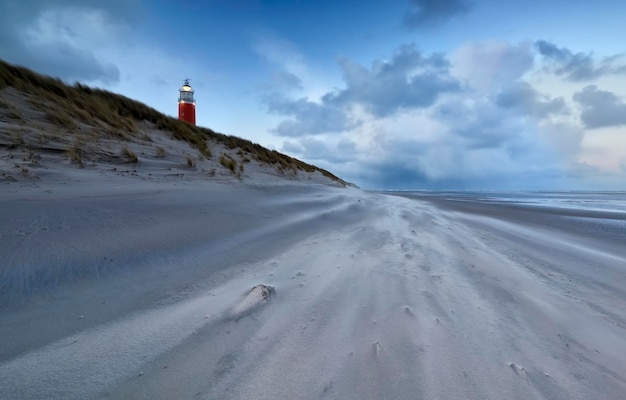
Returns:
(160,152)
(228,162)
(191,163)
(129,155)
(61,118)
(17,140)
(76,152)
(69,105)
(13,112)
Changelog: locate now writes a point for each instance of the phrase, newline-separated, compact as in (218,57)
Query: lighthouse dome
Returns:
(186,86)
(186,93)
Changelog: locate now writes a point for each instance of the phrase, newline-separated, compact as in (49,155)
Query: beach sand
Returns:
(125,288)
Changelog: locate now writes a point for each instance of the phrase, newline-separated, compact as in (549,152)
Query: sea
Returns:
(608,201)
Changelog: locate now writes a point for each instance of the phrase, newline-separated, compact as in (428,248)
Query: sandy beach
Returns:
(142,290)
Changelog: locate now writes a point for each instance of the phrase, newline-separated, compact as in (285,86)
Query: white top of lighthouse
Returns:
(186,93)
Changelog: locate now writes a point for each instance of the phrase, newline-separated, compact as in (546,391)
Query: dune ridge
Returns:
(42,120)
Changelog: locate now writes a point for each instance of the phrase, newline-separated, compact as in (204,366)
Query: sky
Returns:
(388,94)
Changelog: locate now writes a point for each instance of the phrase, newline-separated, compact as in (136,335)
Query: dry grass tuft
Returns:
(129,155)
(228,162)
(191,163)
(160,152)
(17,140)
(12,112)
(76,152)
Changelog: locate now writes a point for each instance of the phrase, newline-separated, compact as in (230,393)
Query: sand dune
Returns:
(144,292)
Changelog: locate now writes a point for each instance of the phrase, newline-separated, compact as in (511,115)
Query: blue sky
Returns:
(448,94)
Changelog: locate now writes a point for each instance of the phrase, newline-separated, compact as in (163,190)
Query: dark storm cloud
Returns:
(428,13)
(408,80)
(600,108)
(525,99)
(578,67)
(67,56)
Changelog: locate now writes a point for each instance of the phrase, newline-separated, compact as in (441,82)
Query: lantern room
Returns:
(187,104)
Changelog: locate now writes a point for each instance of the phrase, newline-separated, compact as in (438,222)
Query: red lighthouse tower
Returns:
(187,104)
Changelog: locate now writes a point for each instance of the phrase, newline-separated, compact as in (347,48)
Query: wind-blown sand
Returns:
(138,289)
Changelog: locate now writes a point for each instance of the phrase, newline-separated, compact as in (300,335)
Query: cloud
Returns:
(429,13)
(418,120)
(307,117)
(409,122)
(283,81)
(478,124)
(281,53)
(462,143)
(600,108)
(408,80)
(315,149)
(96,42)
(522,97)
(565,138)
(578,67)
(59,37)
(492,65)
(451,162)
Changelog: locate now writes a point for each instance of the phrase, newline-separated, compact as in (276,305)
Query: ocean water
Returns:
(596,215)
(582,200)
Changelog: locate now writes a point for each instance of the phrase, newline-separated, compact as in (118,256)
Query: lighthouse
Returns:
(187,104)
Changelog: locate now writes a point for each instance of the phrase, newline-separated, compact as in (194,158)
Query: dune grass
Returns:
(160,152)
(76,152)
(228,162)
(68,105)
(61,118)
(129,155)
(191,163)
(13,113)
